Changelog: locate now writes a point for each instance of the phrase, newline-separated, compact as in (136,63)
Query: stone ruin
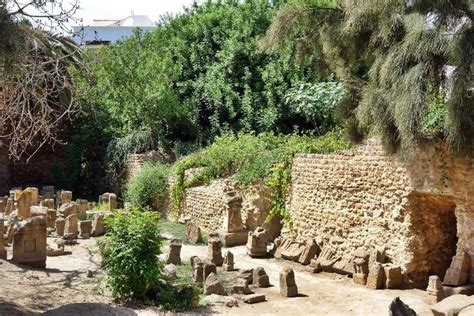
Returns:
(29,218)
(174,255)
(214,250)
(257,243)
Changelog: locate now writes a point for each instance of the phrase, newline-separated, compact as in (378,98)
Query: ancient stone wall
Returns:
(205,206)
(365,198)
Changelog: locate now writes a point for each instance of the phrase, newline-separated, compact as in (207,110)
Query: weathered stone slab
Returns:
(283,245)
(246,275)
(208,269)
(98,228)
(435,291)
(29,242)
(361,266)
(256,243)
(198,273)
(174,255)
(51,217)
(375,279)
(452,305)
(3,252)
(228,261)
(254,298)
(212,285)
(193,232)
(71,227)
(24,203)
(393,276)
(241,288)
(260,277)
(458,272)
(235,238)
(85,229)
(48,203)
(214,250)
(309,252)
(65,197)
(81,209)
(288,286)
(194,260)
(60,224)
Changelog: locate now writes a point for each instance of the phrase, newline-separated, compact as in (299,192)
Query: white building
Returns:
(104,32)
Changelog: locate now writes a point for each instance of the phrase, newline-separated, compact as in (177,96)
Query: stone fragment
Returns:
(169,270)
(293,252)
(377,254)
(48,203)
(260,277)
(228,261)
(65,197)
(10,206)
(194,260)
(112,202)
(233,231)
(452,305)
(467,311)
(314,266)
(241,288)
(254,298)
(67,209)
(256,243)
(3,252)
(198,273)
(51,217)
(458,272)
(60,223)
(193,232)
(55,251)
(310,250)
(85,229)
(174,255)
(208,269)
(327,259)
(98,228)
(214,250)
(282,246)
(393,276)
(398,308)
(221,300)
(435,291)
(81,206)
(38,211)
(375,279)
(246,275)
(361,266)
(24,203)
(345,266)
(71,227)
(3,204)
(29,242)
(288,286)
(212,285)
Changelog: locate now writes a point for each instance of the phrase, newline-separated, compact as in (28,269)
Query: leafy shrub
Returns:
(178,297)
(148,185)
(130,256)
(250,158)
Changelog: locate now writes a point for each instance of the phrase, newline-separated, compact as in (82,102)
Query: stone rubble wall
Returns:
(365,198)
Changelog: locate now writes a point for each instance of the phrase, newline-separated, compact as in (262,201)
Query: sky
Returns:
(118,9)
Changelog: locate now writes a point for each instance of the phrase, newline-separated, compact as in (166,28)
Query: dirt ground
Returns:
(64,289)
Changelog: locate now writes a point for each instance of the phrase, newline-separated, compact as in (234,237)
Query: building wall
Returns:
(365,198)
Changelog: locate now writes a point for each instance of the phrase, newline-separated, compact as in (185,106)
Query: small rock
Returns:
(452,305)
(220,300)
(90,274)
(213,285)
(241,288)
(398,308)
(254,298)
(170,270)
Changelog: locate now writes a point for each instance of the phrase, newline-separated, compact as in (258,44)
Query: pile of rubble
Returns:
(28,218)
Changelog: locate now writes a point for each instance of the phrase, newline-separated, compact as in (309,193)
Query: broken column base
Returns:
(235,239)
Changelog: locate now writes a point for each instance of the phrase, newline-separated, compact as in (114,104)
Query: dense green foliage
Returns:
(197,76)
(130,256)
(250,158)
(391,56)
(148,186)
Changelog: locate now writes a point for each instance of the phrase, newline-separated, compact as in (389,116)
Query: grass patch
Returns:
(177,230)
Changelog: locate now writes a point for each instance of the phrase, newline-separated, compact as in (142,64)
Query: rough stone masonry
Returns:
(419,210)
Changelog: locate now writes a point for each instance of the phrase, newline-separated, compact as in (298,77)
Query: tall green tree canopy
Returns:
(198,75)
(407,64)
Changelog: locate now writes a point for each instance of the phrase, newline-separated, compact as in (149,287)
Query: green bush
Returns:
(148,186)
(130,258)
(252,158)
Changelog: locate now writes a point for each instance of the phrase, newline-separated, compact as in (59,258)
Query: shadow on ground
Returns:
(90,309)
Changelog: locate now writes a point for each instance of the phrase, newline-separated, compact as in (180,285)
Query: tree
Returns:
(392,57)
(36,91)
